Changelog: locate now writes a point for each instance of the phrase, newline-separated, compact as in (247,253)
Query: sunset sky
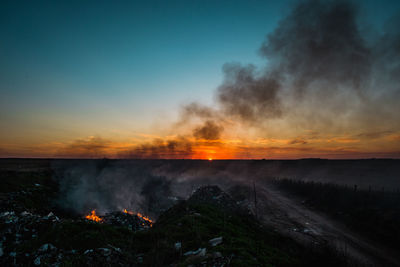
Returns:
(200,79)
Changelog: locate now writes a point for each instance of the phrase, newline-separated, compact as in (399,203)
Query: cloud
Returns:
(297,141)
(374,135)
(90,147)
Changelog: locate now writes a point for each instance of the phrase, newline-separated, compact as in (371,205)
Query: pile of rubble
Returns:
(15,200)
(130,220)
(19,228)
(212,194)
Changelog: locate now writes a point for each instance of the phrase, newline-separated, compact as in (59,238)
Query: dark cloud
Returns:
(246,97)
(314,54)
(209,131)
(198,110)
(179,147)
(374,135)
(297,141)
(319,42)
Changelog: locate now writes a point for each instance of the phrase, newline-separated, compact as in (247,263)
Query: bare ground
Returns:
(289,216)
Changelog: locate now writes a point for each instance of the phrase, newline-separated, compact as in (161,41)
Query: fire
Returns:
(145,218)
(93,217)
(128,212)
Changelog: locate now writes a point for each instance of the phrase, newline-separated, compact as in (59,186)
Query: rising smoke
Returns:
(318,59)
(321,70)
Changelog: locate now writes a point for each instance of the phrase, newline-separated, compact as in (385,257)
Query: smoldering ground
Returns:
(147,186)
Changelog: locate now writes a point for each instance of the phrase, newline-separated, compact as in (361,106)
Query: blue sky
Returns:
(104,59)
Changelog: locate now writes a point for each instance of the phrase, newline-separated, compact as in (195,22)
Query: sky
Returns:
(171,79)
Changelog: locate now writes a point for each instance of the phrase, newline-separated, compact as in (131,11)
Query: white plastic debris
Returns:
(215,241)
(201,252)
(88,251)
(178,246)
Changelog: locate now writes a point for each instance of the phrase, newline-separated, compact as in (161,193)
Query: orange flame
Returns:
(93,217)
(145,218)
(128,212)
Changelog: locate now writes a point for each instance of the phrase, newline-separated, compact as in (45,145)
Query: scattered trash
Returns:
(37,261)
(215,241)
(200,252)
(178,246)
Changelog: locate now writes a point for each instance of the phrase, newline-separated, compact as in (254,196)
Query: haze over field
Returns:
(200,79)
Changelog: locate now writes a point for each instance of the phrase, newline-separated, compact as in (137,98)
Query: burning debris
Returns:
(92,216)
(145,218)
(131,220)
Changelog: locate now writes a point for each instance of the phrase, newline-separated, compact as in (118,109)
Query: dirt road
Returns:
(289,216)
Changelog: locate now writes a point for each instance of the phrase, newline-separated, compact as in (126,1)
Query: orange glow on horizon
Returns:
(175,147)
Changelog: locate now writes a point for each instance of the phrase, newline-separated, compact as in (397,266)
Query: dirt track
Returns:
(288,216)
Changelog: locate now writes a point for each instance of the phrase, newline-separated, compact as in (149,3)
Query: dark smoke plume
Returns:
(246,97)
(92,147)
(317,59)
(209,131)
(319,41)
(179,147)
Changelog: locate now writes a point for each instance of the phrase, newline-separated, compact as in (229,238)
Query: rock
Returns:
(188,253)
(4,213)
(105,251)
(201,252)
(37,261)
(217,255)
(178,246)
(115,248)
(215,241)
(140,259)
(88,251)
(46,247)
